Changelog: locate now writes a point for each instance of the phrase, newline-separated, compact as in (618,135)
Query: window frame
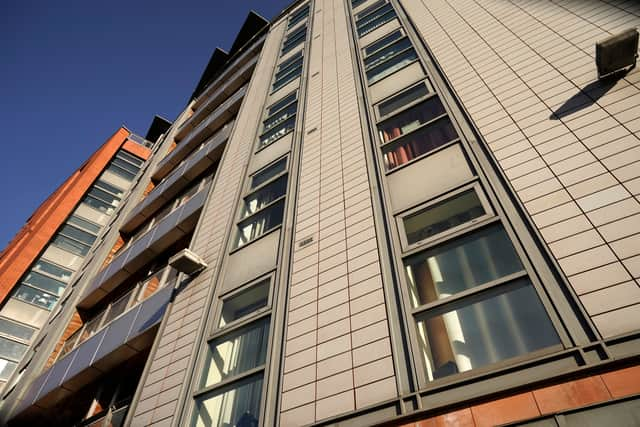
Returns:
(368,12)
(444,235)
(291,71)
(381,118)
(248,191)
(293,39)
(258,315)
(296,17)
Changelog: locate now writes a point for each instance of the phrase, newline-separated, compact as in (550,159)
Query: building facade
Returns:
(390,212)
(42,259)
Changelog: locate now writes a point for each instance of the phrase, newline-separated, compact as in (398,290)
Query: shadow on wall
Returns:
(588,95)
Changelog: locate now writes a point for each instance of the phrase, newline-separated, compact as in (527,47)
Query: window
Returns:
(264,196)
(443,216)
(231,384)
(419,142)
(356,3)
(260,223)
(402,100)
(298,16)
(277,132)
(288,71)
(382,42)
(74,240)
(268,173)
(294,39)
(45,283)
(389,59)
(125,165)
(374,17)
(17,330)
(473,304)
(35,296)
(244,303)
(495,326)
(52,269)
(280,119)
(6,368)
(79,222)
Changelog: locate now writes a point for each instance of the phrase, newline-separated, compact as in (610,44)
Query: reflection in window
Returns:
(443,216)
(44,282)
(244,303)
(391,65)
(472,333)
(461,264)
(235,405)
(279,117)
(411,119)
(420,142)
(269,172)
(236,352)
(35,296)
(12,349)
(298,16)
(383,42)
(262,197)
(374,17)
(258,224)
(287,71)
(9,327)
(53,269)
(277,132)
(294,39)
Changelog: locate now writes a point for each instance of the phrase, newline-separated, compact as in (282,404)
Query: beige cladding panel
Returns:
(174,355)
(569,145)
(336,303)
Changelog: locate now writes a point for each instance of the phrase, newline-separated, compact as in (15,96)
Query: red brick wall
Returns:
(36,233)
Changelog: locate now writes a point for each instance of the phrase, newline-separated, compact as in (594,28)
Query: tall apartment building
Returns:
(391,212)
(42,259)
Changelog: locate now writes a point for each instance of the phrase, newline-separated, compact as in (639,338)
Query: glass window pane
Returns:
(236,352)
(130,158)
(123,164)
(236,405)
(385,41)
(70,245)
(289,64)
(277,132)
(391,66)
(35,296)
(118,307)
(484,330)
(98,205)
(369,9)
(298,16)
(17,330)
(11,349)
(419,142)
(267,194)
(45,283)
(282,103)
(109,187)
(77,234)
(376,19)
(6,369)
(402,99)
(294,74)
(268,173)
(461,264)
(83,223)
(244,303)
(384,54)
(121,172)
(260,223)
(280,116)
(54,270)
(104,196)
(443,216)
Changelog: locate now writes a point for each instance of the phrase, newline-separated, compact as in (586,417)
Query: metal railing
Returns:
(140,292)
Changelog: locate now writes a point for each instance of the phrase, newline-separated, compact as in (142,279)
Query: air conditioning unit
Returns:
(617,52)
(187,262)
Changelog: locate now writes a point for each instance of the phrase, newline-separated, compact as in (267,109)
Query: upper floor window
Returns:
(293,39)
(280,120)
(298,16)
(374,16)
(388,55)
(287,71)
(263,208)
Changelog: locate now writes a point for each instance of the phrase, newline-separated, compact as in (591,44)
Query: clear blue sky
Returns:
(71,72)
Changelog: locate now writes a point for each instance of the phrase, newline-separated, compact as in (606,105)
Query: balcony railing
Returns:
(114,417)
(140,292)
